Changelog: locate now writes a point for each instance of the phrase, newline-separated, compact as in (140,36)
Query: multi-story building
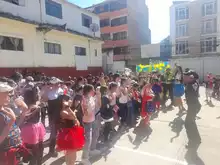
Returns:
(50,36)
(124,28)
(194,34)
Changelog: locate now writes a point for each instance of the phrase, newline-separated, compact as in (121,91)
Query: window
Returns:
(106,36)
(120,36)
(182,47)
(101,9)
(80,51)
(181,30)
(16,2)
(120,50)
(52,48)
(11,43)
(53,9)
(209,8)
(115,5)
(119,21)
(86,20)
(209,26)
(182,13)
(104,22)
(95,52)
(209,45)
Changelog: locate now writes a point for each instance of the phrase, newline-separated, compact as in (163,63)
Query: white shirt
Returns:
(123,99)
(178,76)
(113,95)
(54,93)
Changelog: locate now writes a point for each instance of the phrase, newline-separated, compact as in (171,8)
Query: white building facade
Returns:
(51,36)
(195,34)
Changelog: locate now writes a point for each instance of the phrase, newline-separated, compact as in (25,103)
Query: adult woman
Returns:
(11,145)
(70,135)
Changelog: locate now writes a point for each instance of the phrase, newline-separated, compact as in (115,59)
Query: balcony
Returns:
(114,14)
(115,43)
(110,29)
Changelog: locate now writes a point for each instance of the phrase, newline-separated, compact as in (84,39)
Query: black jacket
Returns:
(106,110)
(192,95)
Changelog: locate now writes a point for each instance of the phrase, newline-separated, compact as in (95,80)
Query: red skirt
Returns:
(70,138)
(143,106)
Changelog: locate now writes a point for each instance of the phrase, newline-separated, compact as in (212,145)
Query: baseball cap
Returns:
(191,73)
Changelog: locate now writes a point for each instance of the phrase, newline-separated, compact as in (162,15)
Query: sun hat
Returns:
(29,78)
(4,87)
(55,80)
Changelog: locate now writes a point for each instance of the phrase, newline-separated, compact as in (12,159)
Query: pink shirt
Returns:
(90,104)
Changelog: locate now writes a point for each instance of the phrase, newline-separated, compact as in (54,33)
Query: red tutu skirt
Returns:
(70,138)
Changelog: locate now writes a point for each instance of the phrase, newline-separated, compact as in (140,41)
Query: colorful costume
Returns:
(12,147)
(147,95)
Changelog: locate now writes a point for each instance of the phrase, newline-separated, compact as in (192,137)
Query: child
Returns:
(123,100)
(147,96)
(209,88)
(136,99)
(70,136)
(76,105)
(112,95)
(216,88)
(178,92)
(89,111)
(107,112)
(157,89)
(33,131)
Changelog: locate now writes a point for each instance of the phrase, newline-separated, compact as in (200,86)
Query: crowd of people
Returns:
(77,107)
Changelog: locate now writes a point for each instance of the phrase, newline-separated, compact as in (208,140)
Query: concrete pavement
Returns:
(164,146)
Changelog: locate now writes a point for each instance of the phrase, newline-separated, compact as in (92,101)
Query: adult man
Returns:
(194,106)
(53,111)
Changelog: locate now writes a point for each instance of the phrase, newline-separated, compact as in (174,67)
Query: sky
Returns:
(159,18)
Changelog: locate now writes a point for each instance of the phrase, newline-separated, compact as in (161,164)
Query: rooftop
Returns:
(76,6)
(177,2)
(101,3)
(49,26)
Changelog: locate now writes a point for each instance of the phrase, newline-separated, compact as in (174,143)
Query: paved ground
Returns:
(161,148)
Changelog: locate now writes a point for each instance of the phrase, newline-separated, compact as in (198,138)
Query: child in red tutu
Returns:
(147,96)
(70,136)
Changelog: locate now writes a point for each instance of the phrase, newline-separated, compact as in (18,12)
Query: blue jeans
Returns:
(91,137)
(130,114)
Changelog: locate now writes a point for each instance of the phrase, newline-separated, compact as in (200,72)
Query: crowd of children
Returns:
(76,108)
